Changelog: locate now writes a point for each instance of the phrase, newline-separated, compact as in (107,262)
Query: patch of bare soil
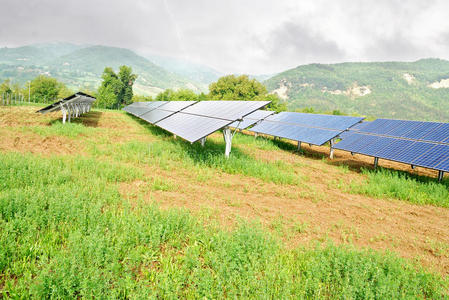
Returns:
(313,211)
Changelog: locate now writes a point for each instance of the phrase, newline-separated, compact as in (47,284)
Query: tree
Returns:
(44,88)
(116,89)
(5,87)
(179,95)
(233,87)
(127,78)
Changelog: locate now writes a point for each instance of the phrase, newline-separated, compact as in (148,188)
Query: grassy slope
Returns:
(391,95)
(66,229)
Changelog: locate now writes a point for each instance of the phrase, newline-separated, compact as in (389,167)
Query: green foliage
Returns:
(384,183)
(178,95)
(141,98)
(233,87)
(5,87)
(45,89)
(116,89)
(391,95)
(65,232)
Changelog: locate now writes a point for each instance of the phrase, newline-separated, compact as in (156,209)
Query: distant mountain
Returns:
(82,66)
(195,72)
(408,90)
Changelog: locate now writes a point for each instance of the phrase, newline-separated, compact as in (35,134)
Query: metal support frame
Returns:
(203,141)
(440,175)
(331,151)
(376,162)
(299,146)
(255,134)
(227,135)
(64,113)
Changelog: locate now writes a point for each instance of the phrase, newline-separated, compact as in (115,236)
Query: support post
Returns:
(376,162)
(227,135)
(331,154)
(440,175)
(255,134)
(64,113)
(175,136)
(70,110)
(299,146)
(203,141)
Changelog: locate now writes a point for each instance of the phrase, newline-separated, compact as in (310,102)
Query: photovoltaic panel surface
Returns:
(77,98)
(422,131)
(227,110)
(192,127)
(308,128)
(165,110)
(252,119)
(139,108)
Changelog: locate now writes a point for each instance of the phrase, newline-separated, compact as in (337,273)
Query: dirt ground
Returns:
(315,210)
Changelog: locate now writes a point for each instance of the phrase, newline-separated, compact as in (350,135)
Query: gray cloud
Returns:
(253,36)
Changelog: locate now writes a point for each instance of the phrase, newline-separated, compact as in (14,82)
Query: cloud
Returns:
(253,36)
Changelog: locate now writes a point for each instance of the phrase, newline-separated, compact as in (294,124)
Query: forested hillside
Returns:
(81,66)
(408,90)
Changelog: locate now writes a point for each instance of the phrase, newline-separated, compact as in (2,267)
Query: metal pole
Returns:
(440,175)
(299,146)
(376,162)
(331,155)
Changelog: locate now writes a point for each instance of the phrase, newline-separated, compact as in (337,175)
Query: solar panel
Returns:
(194,123)
(192,127)
(252,119)
(316,120)
(227,110)
(77,98)
(421,131)
(308,128)
(165,110)
(433,157)
(139,108)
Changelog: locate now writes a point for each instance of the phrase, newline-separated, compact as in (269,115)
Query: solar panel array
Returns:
(309,128)
(76,99)
(424,144)
(193,120)
(252,119)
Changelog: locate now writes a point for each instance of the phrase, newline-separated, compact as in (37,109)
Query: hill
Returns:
(82,66)
(109,206)
(193,71)
(408,90)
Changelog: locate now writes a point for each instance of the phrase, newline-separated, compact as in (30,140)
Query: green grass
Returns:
(71,130)
(385,183)
(170,153)
(65,232)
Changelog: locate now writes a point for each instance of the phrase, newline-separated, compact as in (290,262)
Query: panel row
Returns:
(424,131)
(417,153)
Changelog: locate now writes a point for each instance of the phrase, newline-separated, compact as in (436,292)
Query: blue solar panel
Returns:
(412,152)
(393,149)
(439,134)
(421,130)
(348,141)
(403,127)
(443,166)
(376,145)
(433,157)
(315,120)
(316,136)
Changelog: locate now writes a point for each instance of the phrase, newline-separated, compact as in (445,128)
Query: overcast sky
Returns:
(256,36)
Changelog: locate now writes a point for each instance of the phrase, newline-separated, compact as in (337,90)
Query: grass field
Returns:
(110,207)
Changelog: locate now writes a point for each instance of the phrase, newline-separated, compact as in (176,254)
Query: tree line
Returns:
(116,90)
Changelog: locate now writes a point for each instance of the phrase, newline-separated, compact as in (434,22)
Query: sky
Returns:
(252,37)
